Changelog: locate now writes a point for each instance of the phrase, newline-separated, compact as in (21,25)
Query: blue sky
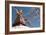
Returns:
(35,22)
